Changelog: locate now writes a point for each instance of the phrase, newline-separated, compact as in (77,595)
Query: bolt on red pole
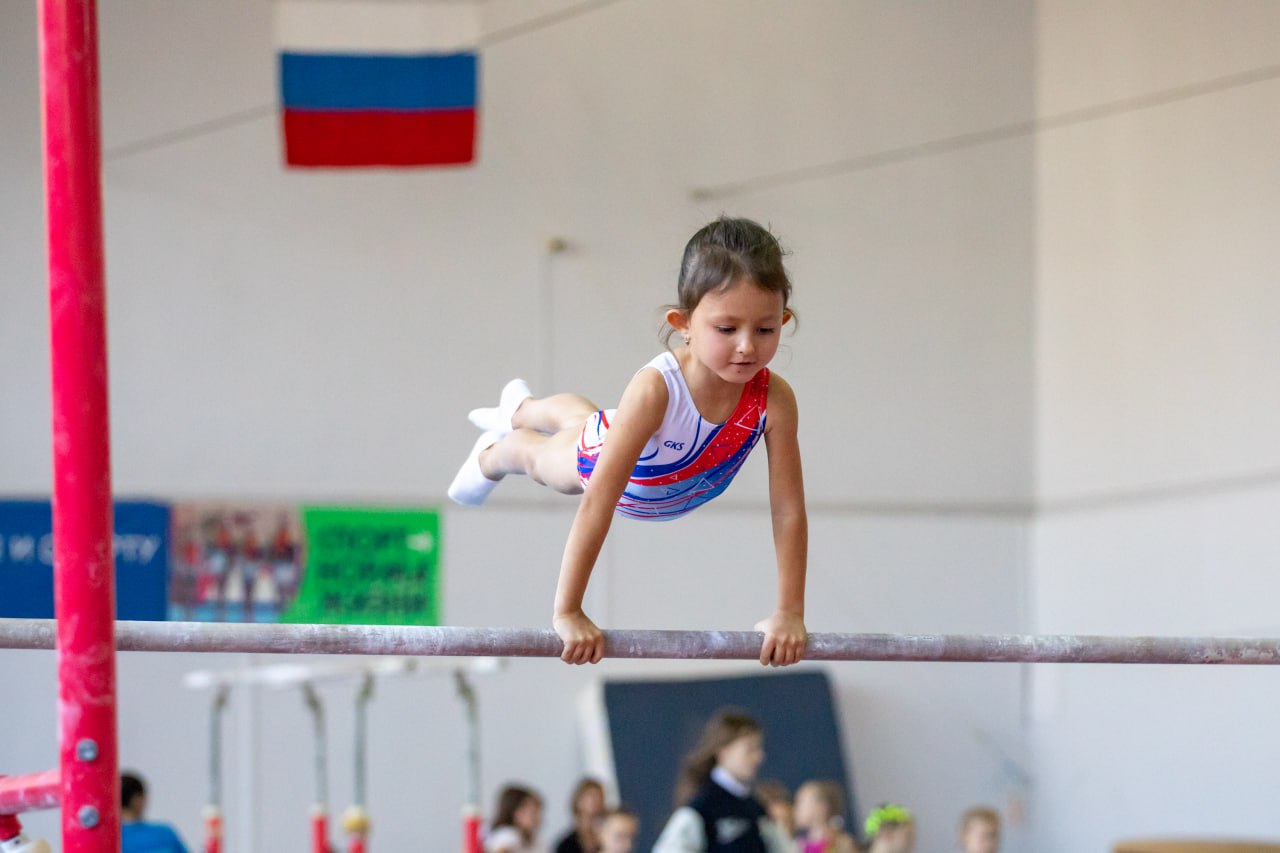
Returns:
(84,576)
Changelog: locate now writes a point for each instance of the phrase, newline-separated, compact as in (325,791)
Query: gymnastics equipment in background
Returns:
(48,790)
(636,733)
(355,820)
(472,812)
(320,807)
(213,811)
(24,794)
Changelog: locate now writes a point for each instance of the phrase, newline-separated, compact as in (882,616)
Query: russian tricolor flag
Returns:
(378,84)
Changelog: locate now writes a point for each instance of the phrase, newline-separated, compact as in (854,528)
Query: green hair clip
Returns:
(886,814)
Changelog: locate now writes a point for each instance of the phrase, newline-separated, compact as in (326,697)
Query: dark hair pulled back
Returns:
(725,252)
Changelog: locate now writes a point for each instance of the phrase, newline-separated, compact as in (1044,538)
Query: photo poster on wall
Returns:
(637,734)
(308,564)
(234,562)
(217,561)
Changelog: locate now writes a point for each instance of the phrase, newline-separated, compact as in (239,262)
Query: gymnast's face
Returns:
(735,331)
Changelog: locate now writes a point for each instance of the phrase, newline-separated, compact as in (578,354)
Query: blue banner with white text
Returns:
(141,543)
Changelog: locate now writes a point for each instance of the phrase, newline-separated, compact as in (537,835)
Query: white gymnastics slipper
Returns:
(513,394)
(470,486)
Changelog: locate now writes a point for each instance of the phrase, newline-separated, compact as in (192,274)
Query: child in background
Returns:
(618,829)
(137,835)
(776,799)
(820,819)
(685,424)
(891,829)
(516,822)
(716,812)
(980,830)
(587,806)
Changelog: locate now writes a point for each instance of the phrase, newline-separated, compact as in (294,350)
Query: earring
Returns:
(686,340)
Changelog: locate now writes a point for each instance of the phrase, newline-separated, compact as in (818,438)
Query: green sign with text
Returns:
(369,567)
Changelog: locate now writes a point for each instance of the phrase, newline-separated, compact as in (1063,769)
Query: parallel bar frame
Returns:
(669,645)
(29,793)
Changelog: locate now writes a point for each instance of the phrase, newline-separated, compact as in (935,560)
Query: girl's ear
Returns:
(677,319)
(787,316)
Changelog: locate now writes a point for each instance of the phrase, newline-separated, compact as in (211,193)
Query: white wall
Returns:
(318,336)
(1157,321)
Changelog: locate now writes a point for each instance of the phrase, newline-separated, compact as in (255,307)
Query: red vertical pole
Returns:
(84,575)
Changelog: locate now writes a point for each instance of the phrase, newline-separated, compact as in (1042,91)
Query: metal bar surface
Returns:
(669,645)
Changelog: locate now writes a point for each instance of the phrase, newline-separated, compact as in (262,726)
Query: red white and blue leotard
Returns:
(689,460)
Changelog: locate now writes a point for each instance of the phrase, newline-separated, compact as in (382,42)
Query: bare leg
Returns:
(551,460)
(523,435)
(550,415)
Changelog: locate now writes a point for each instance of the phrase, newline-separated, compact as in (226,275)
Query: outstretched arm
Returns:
(784,631)
(639,414)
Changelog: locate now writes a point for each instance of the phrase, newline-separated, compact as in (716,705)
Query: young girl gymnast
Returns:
(684,426)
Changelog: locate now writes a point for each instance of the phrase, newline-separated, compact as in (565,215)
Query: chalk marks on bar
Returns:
(669,645)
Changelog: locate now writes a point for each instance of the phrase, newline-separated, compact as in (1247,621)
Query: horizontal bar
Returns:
(30,793)
(671,645)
